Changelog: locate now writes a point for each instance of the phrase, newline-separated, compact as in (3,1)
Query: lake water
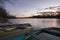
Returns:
(38,23)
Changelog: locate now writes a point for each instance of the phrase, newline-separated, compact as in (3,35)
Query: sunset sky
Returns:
(29,7)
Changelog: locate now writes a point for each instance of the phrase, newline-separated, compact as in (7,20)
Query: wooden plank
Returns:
(38,37)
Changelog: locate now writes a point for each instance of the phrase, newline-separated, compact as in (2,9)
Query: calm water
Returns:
(38,23)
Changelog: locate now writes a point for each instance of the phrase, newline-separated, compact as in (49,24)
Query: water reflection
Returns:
(58,22)
(3,20)
(38,23)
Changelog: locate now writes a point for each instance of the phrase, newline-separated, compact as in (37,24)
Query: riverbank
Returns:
(5,35)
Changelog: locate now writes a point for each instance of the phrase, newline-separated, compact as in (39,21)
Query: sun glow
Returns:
(38,14)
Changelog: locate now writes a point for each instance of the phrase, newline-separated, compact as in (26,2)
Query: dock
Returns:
(52,31)
(38,37)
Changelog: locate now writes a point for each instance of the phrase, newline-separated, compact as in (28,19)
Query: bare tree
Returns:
(3,11)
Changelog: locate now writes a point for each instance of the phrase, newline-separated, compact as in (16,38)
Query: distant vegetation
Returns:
(48,16)
(4,15)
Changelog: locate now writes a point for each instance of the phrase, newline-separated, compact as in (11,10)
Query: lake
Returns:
(38,23)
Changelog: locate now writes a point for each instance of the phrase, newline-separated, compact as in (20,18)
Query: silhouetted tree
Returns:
(3,12)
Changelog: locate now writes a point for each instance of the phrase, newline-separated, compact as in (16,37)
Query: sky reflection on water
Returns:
(38,23)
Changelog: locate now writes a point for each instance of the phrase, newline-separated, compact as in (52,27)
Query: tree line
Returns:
(38,16)
(4,15)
